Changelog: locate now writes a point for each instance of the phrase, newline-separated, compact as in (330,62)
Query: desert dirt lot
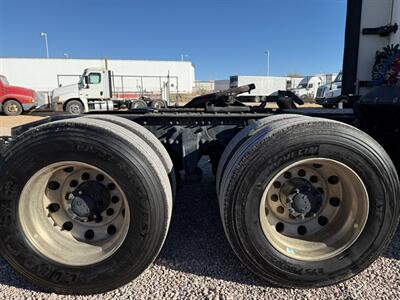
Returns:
(6,123)
(197,262)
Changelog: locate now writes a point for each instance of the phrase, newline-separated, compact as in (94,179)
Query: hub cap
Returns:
(314,209)
(74,213)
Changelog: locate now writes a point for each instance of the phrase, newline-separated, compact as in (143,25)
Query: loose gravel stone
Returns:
(197,263)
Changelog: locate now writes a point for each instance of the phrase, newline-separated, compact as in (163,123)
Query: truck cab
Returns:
(308,87)
(329,95)
(15,100)
(92,92)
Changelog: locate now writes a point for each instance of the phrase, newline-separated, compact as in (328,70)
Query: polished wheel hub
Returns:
(314,209)
(74,213)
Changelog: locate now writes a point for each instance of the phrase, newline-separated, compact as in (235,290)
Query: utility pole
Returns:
(268,53)
(44,34)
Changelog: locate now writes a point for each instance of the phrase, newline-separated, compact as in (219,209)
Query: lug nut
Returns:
(111,229)
(335,202)
(100,177)
(115,199)
(301,173)
(89,234)
(333,180)
(53,185)
(111,186)
(287,175)
(73,183)
(277,185)
(280,209)
(110,212)
(279,227)
(274,198)
(53,207)
(85,176)
(302,230)
(322,221)
(68,226)
(69,170)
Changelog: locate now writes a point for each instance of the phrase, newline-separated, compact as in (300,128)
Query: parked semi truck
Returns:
(15,100)
(330,95)
(94,92)
(309,85)
(308,197)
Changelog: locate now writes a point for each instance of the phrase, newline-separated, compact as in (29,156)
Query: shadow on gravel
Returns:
(196,241)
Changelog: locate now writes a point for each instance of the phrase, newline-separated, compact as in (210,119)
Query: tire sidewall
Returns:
(263,256)
(9,113)
(139,248)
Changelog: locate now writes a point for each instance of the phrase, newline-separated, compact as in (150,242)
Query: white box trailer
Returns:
(265,85)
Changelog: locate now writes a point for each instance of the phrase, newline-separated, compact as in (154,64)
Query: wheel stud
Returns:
(314,179)
(111,229)
(279,227)
(68,226)
(274,198)
(53,185)
(280,209)
(110,212)
(98,219)
(301,173)
(333,180)
(73,183)
(335,202)
(111,186)
(100,177)
(301,230)
(85,176)
(115,199)
(53,207)
(287,175)
(277,185)
(69,170)
(322,221)
(89,234)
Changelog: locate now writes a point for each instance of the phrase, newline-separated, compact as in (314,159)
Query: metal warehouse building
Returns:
(132,76)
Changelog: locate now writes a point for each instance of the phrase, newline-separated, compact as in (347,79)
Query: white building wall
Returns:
(41,74)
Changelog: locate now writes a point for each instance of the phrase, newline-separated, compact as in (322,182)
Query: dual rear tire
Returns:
(307,202)
(86,204)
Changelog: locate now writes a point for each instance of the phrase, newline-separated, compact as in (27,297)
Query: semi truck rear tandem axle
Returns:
(307,197)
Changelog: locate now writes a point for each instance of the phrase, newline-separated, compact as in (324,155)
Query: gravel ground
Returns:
(197,263)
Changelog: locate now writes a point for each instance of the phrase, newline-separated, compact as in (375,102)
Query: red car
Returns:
(15,100)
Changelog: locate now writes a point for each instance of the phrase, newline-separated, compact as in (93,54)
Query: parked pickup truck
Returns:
(15,100)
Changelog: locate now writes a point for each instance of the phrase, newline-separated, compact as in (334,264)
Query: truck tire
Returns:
(158,104)
(149,138)
(74,107)
(12,108)
(243,135)
(138,104)
(54,172)
(310,203)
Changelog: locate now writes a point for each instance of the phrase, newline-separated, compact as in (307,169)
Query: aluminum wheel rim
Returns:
(314,209)
(75,109)
(12,108)
(59,227)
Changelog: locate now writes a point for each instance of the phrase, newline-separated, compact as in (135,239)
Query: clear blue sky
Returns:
(220,37)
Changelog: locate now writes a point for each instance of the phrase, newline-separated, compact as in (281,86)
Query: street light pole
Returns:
(183,56)
(268,53)
(44,34)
